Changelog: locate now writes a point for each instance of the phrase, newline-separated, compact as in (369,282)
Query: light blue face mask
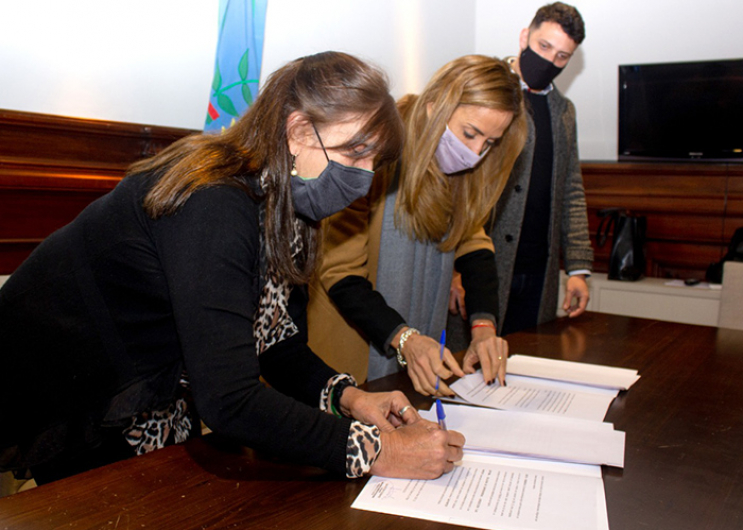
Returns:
(336,187)
(453,156)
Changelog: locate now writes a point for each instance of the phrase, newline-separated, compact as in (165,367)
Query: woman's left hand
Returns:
(488,350)
(378,408)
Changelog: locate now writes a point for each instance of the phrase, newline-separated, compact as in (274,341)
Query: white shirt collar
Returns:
(542,92)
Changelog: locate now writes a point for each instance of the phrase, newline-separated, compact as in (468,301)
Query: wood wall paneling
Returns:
(692,210)
(734,206)
(52,167)
(97,143)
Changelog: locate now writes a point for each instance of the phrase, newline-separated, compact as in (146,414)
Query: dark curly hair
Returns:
(567,16)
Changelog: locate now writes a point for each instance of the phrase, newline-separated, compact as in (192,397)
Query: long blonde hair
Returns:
(326,87)
(432,206)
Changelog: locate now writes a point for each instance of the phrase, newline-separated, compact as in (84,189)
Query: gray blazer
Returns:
(568,230)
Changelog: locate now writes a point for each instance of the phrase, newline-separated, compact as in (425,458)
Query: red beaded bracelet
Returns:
(485,325)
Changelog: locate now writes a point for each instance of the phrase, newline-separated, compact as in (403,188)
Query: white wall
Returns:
(409,39)
(617,32)
(141,61)
(150,61)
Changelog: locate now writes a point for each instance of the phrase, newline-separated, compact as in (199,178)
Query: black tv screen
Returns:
(690,111)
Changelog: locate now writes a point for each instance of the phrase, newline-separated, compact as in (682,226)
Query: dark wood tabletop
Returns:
(683,458)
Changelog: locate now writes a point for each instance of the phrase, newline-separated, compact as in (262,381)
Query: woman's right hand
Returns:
(420,450)
(423,355)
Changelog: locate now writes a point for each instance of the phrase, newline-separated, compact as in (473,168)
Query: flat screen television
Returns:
(691,111)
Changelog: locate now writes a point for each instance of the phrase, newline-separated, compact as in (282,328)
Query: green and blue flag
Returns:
(237,67)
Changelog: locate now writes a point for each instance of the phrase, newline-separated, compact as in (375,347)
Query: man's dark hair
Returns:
(567,16)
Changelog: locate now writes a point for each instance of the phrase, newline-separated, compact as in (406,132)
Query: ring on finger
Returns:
(403,410)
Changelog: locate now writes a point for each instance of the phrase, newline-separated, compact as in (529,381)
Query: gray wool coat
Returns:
(568,232)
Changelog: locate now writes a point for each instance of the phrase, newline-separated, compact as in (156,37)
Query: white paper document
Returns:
(497,493)
(542,396)
(572,372)
(535,435)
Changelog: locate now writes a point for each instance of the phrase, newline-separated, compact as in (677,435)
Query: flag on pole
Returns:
(237,67)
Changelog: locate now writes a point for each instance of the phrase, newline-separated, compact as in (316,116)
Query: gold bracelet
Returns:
(404,337)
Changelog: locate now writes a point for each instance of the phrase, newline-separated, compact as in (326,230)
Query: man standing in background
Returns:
(542,211)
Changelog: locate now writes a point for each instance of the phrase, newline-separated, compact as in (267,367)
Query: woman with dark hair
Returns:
(390,257)
(169,298)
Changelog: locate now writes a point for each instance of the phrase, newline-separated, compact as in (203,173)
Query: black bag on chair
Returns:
(627,257)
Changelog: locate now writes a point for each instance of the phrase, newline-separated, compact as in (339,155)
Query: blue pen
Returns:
(439,407)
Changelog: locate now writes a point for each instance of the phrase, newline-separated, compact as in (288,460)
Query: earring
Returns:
(293,172)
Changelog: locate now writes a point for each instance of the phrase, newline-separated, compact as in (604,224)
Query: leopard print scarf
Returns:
(151,430)
(273,323)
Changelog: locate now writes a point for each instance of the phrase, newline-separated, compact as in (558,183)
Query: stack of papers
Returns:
(548,386)
(535,435)
(572,372)
(533,451)
(492,492)
(529,394)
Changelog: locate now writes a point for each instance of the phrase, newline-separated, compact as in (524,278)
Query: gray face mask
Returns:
(336,187)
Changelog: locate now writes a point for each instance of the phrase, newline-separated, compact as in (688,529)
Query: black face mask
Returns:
(536,71)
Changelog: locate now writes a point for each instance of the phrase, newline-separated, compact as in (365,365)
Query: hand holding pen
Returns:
(425,364)
(425,440)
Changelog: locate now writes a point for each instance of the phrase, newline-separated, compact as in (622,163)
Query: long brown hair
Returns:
(430,205)
(326,88)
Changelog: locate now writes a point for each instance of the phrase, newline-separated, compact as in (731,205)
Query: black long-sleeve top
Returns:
(103,317)
(368,310)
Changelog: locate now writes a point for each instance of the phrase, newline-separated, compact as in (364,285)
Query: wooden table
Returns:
(683,462)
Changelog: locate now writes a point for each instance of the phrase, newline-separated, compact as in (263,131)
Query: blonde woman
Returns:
(380,301)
